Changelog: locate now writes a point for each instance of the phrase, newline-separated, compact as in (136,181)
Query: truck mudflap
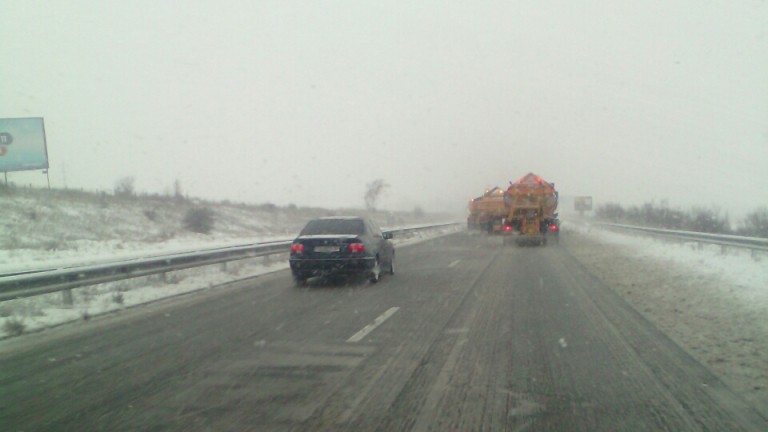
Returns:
(512,236)
(530,240)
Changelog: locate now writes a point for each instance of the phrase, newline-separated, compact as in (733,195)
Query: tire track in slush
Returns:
(421,394)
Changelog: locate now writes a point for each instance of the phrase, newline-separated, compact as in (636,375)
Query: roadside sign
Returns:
(582,203)
(22,144)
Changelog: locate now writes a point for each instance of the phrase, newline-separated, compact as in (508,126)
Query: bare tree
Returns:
(373,191)
(756,223)
(177,192)
(125,187)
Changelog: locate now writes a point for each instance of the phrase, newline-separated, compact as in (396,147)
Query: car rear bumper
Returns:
(316,267)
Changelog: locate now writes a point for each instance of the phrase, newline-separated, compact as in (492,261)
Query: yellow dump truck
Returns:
(531,204)
(487,212)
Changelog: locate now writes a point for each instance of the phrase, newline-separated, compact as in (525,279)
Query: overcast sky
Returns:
(306,102)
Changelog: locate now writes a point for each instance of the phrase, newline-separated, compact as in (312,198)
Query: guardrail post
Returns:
(224,266)
(754,254)
(723,249)
(66,297)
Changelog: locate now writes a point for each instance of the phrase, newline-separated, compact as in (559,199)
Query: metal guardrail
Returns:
(47,281)
(753,243)
(126,259)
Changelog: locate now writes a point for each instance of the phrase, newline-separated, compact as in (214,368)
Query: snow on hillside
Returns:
(46,229)
(41,228)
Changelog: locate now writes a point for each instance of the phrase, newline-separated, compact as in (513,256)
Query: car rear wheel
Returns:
(300,280)
(376,271)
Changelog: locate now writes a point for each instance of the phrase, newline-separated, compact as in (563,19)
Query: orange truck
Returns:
(531,203)
(487,212)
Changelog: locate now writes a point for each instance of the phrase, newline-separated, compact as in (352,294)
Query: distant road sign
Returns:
(582,203)
(22,144)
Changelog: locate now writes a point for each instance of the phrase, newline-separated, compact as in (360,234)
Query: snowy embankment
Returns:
(713,304)
(92,252)
(36,313)
(60,228)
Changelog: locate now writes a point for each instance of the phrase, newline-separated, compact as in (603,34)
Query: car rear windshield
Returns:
(334,226)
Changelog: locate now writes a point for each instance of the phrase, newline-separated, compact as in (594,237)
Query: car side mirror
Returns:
(388,236)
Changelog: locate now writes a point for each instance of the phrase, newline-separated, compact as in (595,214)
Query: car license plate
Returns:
(326,249)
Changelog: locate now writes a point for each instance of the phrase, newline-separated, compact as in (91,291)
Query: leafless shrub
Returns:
(756,223)
(125,187)
(699,219)
(268,207)
(54,244)
(150,214)
(14,242)
(118,298)
(14,326)
(166,235)
(199,220)
(173,278)
(5,310)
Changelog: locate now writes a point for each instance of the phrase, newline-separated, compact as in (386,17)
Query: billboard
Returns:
(22,144)
(582,203)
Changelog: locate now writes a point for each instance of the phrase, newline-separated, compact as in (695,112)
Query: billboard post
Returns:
(582,203)
(23,146)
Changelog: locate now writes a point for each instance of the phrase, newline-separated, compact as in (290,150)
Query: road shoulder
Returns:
(693,308)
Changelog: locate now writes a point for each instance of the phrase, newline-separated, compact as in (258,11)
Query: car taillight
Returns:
(553,227)
(507,228)
(297,249)
(356,248)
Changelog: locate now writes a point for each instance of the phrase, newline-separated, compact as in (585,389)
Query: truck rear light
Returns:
(297,249)
(356,248)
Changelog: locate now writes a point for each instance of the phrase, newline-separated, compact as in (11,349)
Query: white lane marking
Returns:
(453,263)
(357,337)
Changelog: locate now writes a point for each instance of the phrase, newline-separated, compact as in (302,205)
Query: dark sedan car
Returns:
(341,245)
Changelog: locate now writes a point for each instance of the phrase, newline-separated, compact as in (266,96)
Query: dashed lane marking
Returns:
(453,263)
(357,337)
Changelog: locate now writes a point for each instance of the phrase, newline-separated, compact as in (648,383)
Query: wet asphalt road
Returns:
(467,336)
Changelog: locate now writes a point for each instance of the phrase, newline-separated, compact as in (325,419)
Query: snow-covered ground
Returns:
(35,313)
(713,304)
(41,228)
(87,252)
